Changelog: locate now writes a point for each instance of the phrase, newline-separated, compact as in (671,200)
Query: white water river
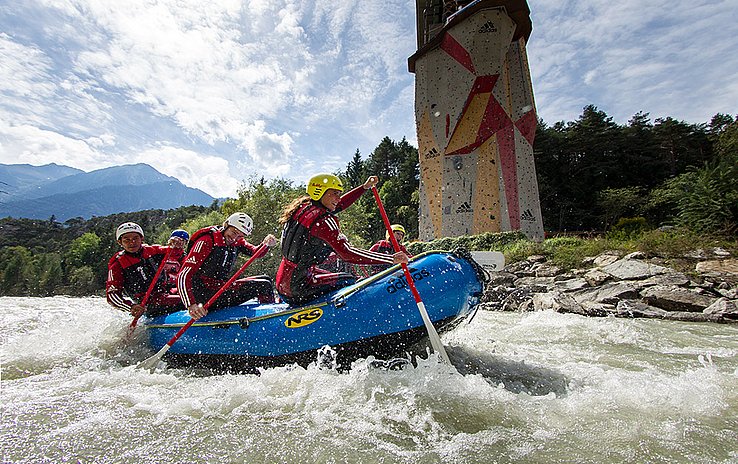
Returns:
(530,388)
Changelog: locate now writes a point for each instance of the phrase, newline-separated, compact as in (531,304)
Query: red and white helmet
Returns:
(240,221)
(128,227)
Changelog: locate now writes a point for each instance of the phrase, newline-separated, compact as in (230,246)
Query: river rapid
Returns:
(526,388)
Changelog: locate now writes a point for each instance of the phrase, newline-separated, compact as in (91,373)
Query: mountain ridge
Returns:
(116,189)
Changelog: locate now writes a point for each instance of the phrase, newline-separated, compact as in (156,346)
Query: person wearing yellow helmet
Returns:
(385,246)
(311,232)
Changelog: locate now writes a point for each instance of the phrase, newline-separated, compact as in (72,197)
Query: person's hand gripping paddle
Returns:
(145,299)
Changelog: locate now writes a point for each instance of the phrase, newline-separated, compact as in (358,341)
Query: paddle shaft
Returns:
(151,286)
(432,333)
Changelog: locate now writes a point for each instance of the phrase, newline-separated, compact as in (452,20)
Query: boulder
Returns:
(631,269)
(673,298)
(723,307)
(608,293)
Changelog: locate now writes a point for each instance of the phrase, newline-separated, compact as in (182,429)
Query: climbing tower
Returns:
(476,119)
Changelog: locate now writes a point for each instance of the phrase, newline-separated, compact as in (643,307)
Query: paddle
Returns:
(153,361)
(151,288)
(432,334)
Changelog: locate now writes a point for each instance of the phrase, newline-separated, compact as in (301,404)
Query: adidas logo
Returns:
(191,260)
(465,208)
(432,153)
(487,27)
(527,216)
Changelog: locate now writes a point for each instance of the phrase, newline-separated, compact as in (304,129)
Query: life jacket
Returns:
(171,267)
(221,261)
(384,246)
(298,246)
(139,268)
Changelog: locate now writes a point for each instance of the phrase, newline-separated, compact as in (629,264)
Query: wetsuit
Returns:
(208,266)
(129,277)
(308,238)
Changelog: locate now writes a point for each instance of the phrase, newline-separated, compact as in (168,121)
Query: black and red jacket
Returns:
(130,274)
(309,236)
(385,246)
(210,263)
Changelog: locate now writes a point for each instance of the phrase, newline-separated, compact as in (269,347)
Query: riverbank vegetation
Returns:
(664,187)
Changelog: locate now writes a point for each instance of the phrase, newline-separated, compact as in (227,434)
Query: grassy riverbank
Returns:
(678,248)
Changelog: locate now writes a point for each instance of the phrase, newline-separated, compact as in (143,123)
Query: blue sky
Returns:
(215,92)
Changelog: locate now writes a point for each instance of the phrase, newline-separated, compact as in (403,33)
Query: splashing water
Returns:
(524,388)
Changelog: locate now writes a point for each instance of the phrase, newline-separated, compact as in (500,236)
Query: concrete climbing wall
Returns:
(476,122)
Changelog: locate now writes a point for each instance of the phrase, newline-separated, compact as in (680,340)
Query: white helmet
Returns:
(240,221)
(128,227)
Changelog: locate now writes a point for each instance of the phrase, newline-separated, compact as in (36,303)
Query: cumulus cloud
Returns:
(632,56)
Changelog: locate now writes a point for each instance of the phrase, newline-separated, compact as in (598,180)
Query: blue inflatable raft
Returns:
(377,316)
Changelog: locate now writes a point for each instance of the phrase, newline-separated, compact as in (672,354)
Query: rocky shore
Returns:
(621,286)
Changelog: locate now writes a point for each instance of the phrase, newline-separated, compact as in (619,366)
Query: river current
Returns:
(524,388)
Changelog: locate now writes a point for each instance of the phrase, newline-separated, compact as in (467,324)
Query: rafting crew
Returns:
(132,270)
(311,232)
(211,260)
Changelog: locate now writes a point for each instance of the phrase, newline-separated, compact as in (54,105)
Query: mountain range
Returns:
(40,192)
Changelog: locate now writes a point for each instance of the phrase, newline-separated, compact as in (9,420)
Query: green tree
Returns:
(16,271)
(48,275)
(84,250)
(82,281)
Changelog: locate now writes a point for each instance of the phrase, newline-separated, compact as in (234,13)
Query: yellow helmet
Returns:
(395,228)
(319,183)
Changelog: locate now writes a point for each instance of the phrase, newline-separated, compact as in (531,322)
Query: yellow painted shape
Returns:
(487,189)
(467,129)
(431,170)
(303,318)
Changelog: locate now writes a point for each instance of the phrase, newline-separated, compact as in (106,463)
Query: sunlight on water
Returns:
(536,387)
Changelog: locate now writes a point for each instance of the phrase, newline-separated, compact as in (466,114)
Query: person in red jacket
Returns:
(311,232)
(178,240)
(210,263)
(385,246)
(131,270)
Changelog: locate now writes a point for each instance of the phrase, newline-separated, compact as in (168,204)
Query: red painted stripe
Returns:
(494,120)
(527,126)
(506,142)
(457,52)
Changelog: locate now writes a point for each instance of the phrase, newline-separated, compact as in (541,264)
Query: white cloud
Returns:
(633,56)
(207,173)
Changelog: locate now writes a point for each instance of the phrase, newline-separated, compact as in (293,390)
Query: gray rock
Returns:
(672,298)
(608,293)
(501,278)
(689,316)
(635,255)
(635,308)
(633,269)
(719,266)
(546,270)
(555,301)
(605,258)
(596,277)
(570,285)
(724,307)
(515,300)
(672,278)
(537,284)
